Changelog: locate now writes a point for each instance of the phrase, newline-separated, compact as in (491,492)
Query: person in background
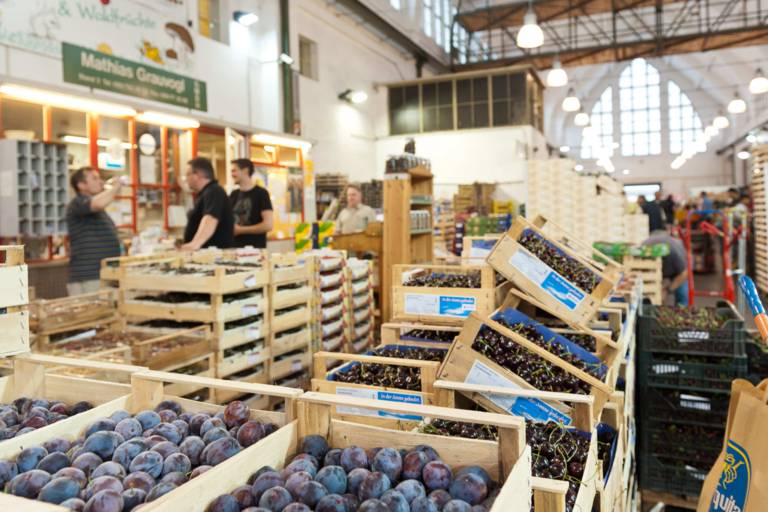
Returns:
(668,206)
(734,195)
(92,234)
(706,202)
(674,266)
(653,211)
(210,222)
(356,216)
(251,207)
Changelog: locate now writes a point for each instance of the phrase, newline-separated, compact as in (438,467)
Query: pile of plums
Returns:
(429,335)
(571,269)
(683,317)
(25,415)
(442,280)
(386,375)
(125,460)
(530,333)
(323,479)
(529,366)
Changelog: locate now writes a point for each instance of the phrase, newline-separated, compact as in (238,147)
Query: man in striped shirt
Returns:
(92,234)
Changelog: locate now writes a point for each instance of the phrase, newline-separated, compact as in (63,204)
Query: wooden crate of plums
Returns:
(137,448)
(325,464)
(391,372)
(511,350)
(559,484)
(14,297)
(552,273)
(58,315)
(444,294)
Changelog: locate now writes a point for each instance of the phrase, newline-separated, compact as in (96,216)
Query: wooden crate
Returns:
(259,374)
(290,268)
(227,365)
(201,366)
(322,382)
(548,494)
(395,333)
(282,296)
(475,249)
(611,490)
(283,320)
(536,279)
(464,364)
(450,306)
(507,461)
(45,342)
(170,350)
(240,335)
(110,267)
(287,341)
(56,315)
(147,390)
(14,297)
(360,344)
(119,354)
(290,363)
(221,282)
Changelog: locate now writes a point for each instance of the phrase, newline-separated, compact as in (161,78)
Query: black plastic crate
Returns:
(675,477)
(727,340)
(689,372)
(693,444)
(690,408)
(757,356)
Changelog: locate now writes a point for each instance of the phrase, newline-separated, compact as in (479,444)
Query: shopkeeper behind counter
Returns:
(210,223)
(356,216)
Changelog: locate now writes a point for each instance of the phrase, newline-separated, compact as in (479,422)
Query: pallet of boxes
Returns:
(550,353)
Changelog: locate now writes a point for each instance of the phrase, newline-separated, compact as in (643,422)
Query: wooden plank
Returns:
(14,278)
(14,329)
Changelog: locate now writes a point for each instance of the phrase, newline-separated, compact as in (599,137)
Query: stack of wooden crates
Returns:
(760,200)
(14,297)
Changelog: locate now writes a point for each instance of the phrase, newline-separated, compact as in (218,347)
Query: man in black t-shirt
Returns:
(251,206)
(210,222)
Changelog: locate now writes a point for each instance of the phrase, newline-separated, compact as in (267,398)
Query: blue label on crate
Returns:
(562,290)
(402,398)
(732,489)
(374,394)
(537,410)
(457,306)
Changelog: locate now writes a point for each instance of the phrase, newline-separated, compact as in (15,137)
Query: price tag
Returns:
(253,333)
(250,310)
(250,281)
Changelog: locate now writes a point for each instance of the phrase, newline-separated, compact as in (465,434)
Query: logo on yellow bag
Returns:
(733,487)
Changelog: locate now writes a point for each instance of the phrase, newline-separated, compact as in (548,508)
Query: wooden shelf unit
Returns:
(401,243)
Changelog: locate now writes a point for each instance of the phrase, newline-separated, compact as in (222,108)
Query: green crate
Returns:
(671,476)
(689,372)
(707,409)
(677,441)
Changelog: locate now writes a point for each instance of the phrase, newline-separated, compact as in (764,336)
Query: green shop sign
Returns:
(84,66)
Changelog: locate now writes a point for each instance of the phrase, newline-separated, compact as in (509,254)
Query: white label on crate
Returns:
(253,333)
(530,408)
(692,336)
(699,403)
(83,335)
(661,369)
(374,394)
(549,280)
(253,358)
(439,305)
(250,281)
(250,310)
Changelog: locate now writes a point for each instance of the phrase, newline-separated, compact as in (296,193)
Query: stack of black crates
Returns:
(685,365)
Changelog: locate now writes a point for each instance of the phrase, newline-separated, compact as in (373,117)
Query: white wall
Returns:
(349,57)
(496,155)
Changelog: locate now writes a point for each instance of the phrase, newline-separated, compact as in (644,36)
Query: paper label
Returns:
(661,369)
(374,394)
(253,333)
(530,408)
(698,403)
(251,310)
(439,305)
(692,336)
(549,280)
(250,281)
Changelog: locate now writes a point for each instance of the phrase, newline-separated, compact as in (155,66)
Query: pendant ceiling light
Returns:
(557,77)
(759,84)
(737,105)
(571,103)
(721,122)
(530,34)
(581,119)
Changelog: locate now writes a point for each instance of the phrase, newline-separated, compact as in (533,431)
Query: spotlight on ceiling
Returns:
(571,103)
(625,172)
(721,122)
(354,96)
(759,84)
(565,149)
(286,59)
(737,105)
(245,18)
(581,119)
(743,155)
(557,77)
(578,167)
(530,34)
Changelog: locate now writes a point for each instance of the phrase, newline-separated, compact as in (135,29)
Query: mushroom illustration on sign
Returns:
(183,45)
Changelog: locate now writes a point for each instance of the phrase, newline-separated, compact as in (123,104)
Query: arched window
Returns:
(601,119)
(685,128)
(636,122)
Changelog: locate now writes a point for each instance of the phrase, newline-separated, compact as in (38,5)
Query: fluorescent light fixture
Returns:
(276,140)
(245,18)
(711,131)
(743,155)
(721,122)
(354,96)
(759,84)
(625,172)
(286,59)
(571,103)
(22,93)
(581,119)
(737,105)
(102,143)
(565,149)
(578,167)
(183,123)
(530,34)
(557,77)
